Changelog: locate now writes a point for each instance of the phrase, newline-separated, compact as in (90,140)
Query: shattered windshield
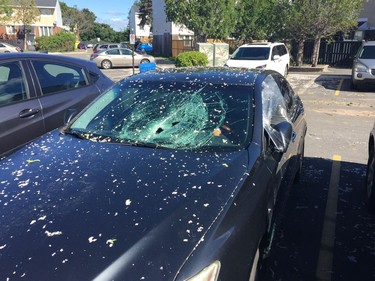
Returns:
(176,115)
(253,53)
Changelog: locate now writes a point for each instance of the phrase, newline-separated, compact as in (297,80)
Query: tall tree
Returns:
(81,22)
(145,10)
(25,13)
(254,20)
(206,18)
(5,11)
(296,20)
(332,16)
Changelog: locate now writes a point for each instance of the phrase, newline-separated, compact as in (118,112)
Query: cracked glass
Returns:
(175,115)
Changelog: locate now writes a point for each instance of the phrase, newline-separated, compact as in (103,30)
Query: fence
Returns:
(180,46)
(332,53)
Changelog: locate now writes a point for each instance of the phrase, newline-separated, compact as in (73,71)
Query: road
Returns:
(323,231)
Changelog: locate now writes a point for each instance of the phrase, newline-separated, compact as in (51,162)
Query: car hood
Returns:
(74,209)
(370,63)
(246,63)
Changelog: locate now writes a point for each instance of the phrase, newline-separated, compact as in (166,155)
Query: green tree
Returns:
(254,21)
(145,10)
(295,21)
(25,13)
(81,22)
(5,11)
(206,18)
(330,17)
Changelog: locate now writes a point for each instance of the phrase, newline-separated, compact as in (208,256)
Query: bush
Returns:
(193,58)
(60,42)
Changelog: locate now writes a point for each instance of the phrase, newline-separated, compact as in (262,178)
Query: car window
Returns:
(185,116)
(12,83)
(367,52)
(275,51)
(54,77)
(126,52)
(282,50)
(113,46)
(113,52)
(252,53)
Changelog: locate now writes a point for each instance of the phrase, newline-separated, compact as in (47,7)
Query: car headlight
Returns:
(209,273)
(261,67)
(360,67)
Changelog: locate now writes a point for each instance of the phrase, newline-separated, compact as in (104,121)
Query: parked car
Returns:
(169,175)
(370,174)
(36,89)
(274,56)
(119,58)
(81,46)
(144,47)
(363,70)
(8,48)
(100,47)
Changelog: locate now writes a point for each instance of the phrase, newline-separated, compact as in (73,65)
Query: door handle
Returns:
(28,112)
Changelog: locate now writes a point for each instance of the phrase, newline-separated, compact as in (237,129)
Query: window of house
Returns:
(45,31)
(11,29)
(46,12)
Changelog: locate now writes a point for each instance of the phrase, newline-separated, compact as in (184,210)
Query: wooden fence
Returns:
(339,53)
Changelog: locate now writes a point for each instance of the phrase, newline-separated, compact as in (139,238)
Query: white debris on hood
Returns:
(55,233)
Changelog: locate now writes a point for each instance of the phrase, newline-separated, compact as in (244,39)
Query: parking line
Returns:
(308,85)
(337,92)
(325,260)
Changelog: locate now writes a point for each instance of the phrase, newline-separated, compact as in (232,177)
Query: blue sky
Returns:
(112,12)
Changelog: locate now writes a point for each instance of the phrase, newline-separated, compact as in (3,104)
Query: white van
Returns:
(273,56)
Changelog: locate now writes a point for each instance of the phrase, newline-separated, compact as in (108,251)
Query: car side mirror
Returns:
(282,136)
(276,57)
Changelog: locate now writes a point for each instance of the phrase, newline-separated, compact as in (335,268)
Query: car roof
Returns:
(30,55)
(214,75)
(369,43)
(261,44)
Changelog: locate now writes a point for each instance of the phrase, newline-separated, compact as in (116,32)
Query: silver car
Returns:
(7,48)
(36,90)
(363,71)
(119,57)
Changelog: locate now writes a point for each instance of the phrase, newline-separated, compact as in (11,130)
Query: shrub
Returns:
(193,58)
(60,42)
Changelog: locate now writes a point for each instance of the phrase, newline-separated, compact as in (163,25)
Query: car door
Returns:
(21,118)
(275,111)
(115,57)
(127,57)
(62,86)
(276,62)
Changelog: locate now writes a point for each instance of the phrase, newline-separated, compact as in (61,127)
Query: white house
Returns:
(165,31)
(366,22)
(142,33)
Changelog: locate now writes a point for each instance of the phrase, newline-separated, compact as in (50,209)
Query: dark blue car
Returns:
(167,176)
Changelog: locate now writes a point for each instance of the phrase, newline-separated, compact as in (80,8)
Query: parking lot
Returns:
(323,231)
(323,226)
